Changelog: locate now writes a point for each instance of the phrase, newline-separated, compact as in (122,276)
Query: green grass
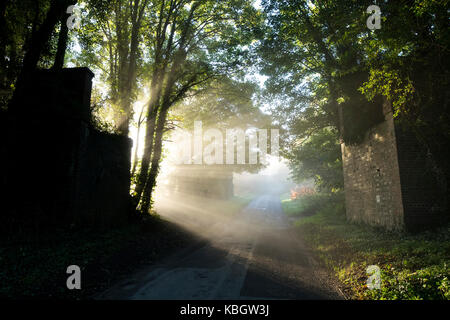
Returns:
(242,200)
(285,196)
(413,266)
(236,204)
(309,204)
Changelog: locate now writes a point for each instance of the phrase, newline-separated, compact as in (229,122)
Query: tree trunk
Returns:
(147,180)
(153,108)
(156,158)
(62,43)
(38,41)
(135,161)
(4,35)
(42,36)
(148,149)
(129,78)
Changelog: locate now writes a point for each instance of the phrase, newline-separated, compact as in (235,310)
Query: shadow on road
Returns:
(252,254)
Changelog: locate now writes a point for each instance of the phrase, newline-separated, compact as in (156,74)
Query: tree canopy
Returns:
(326,69)
(327,72)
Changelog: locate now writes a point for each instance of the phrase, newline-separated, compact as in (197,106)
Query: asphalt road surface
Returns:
(255,255)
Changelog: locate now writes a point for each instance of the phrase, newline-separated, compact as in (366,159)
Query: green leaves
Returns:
(389,83)
(318,158)
(321,57)
(412,266)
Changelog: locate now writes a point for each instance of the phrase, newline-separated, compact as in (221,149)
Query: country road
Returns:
(255,255)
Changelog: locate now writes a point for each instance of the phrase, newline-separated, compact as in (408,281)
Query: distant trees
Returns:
(226,104)
(318,158)
(192,43)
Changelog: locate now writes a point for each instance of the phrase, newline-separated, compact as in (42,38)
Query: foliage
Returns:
(409,64)
(308,205)
(18,21)
(225,104)
(99,120)
(412,43)
(100,114)
(427,283)
(413,266)
(319,158)
(315,65)
(314,55)
(111,38)
(192,43)
(326,68)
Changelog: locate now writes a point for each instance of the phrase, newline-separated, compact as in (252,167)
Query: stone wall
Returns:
(102,177)
(423,186)
(202,181)
(371,177)
(59,169)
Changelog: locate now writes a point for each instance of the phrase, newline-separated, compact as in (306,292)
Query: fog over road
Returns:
(254,255)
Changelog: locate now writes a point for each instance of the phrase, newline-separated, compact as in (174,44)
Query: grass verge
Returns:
(37,269)
(237,203)
(310,204)
(413,266)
